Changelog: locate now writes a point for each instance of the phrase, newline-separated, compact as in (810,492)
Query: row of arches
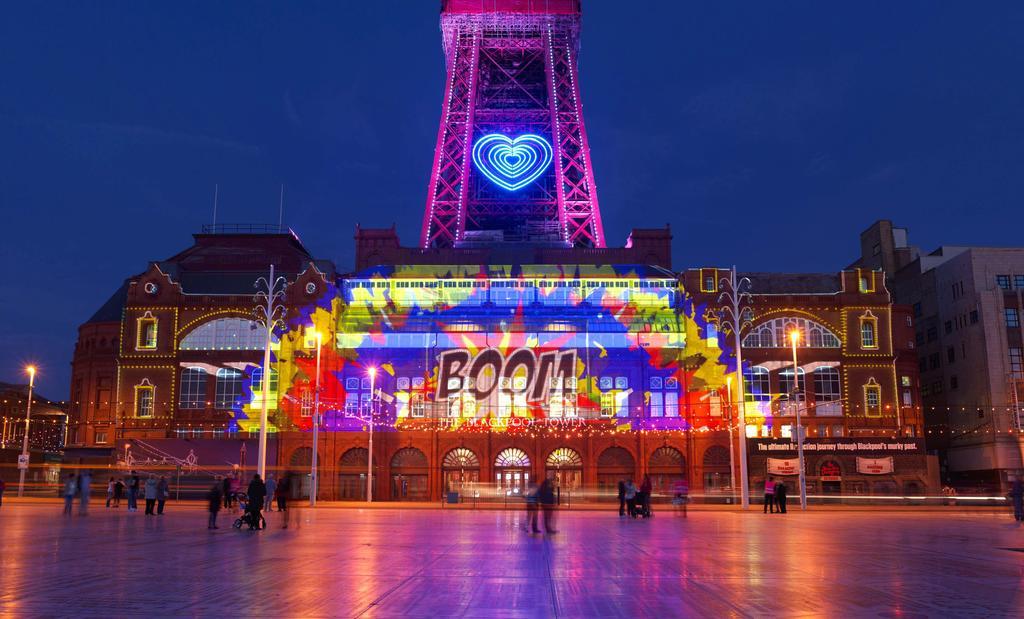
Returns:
(512,470)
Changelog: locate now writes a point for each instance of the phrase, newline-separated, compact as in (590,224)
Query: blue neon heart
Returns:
(512,163)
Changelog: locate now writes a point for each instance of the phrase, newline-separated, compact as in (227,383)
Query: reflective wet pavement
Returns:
(410,563)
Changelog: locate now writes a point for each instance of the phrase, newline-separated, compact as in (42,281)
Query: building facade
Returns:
(967,305)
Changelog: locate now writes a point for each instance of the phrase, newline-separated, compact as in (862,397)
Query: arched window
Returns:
(355,457)
(868,330)
(758,386)
(460,458)
(826,385)
(564,457)
(302,458)
(225,334)
(229,388)
(774,334)
(257,380)
(786,383)
(512,457)
(193,389)
(409,457)
(145,399)
(667,457)
(716,457)
(615,457)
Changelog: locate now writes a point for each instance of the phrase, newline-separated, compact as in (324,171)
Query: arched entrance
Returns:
(409,469)
(300,465)
(615,464)
(352,474)
(461,469)
(717,477)
(666,466)
(512,471)
(565,466)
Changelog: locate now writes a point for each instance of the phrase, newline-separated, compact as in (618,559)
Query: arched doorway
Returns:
(512,471)
(830,474)
(461,469)
(565,466)
(300,465)
(666,466)
(409,469)
(717,477)
(615,464)
(352,474)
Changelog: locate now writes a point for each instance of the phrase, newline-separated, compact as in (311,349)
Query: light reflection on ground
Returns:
(395,562)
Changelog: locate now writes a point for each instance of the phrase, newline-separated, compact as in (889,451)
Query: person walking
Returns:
(644,496)
(70,488)
(213,499)
(622,499)
(631,498)
(780,496)
(150,494)
(84,492)
(257,494)
(271,487)
(226,491)
(163,491)
(281,494)
(133,492)
(532,507)
(110,492)
(3,486)
(769,495)
(1017,498)
(118,492)
(546,497)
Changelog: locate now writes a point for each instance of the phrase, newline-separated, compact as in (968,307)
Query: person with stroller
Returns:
(256,495)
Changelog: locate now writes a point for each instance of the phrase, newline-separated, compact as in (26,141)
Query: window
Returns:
(229,388)
(951,355)
(910,321)
(1018,281)
(1012,318)
(826,385)
(786,383)
(147,331)
(908,398)
(905,381)
(1016,362)
(837,430)
(775,334)
(919,338)
(257,380)
(933,334)
(872,399)
(144,399)
(1003,281)
(193,389)
(934,361)
(868,331)
(758,384)
(922,364)
(917,309)
(953,383)
(101,438)
(225,334)
(974,317)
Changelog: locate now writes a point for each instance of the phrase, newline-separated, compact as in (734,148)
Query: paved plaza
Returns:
(432,563)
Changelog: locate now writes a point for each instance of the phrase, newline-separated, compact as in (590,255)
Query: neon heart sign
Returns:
(512,163)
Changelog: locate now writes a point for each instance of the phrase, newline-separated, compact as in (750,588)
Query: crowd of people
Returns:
(541,497)
(259,496)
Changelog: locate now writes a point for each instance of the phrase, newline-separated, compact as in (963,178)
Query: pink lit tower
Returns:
(512,162)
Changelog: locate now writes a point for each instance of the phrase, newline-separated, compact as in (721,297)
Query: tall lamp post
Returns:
(23,463)
(794,337)
(369,458)
(728,420)
(269,313)
(314,485)
(734,315)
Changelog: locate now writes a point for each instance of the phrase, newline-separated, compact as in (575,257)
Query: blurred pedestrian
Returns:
(213,498)
(70,489)
(281,494)
(150,494)
(226,491)
(1017,498)
(630,495)
(110,491)
(271,487)
(3,486)
(682,495)
(644,496)
(118,492)
(134,484)
(546,497)
(780,496)
(769,495)
(163,492)
(622,498)
(532,507)
(84,492)
(257,494)
(236,487)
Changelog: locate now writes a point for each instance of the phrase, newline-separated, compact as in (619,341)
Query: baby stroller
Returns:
(248,517)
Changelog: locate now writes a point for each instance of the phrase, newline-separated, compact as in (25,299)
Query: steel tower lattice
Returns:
(511,70)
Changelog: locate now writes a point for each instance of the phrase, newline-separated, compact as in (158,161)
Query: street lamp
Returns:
(370,456)
(732,448)
(794,337)
(316,423)
(734,314)
(23,461)
(269,313)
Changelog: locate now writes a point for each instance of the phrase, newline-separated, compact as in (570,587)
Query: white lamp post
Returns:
(269,313)
(23,466)
(794,337)
(313,487)
(369,458)
(735,314)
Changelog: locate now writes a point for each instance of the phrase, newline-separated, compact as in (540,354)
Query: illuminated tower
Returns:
(512,162)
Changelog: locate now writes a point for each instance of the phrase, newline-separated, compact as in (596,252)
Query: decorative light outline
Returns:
(508,162)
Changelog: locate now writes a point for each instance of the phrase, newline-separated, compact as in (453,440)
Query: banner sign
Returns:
(875,466)
(777,466)
(850,446)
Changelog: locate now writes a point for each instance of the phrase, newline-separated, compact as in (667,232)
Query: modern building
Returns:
(511,343)
(967,308)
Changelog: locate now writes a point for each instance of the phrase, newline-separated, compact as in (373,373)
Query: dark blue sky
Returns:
(768,134)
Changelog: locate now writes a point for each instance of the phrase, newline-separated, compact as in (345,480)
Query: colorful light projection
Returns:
(498,348)
(512,163)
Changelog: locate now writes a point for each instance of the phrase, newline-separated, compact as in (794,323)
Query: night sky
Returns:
(768,134)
